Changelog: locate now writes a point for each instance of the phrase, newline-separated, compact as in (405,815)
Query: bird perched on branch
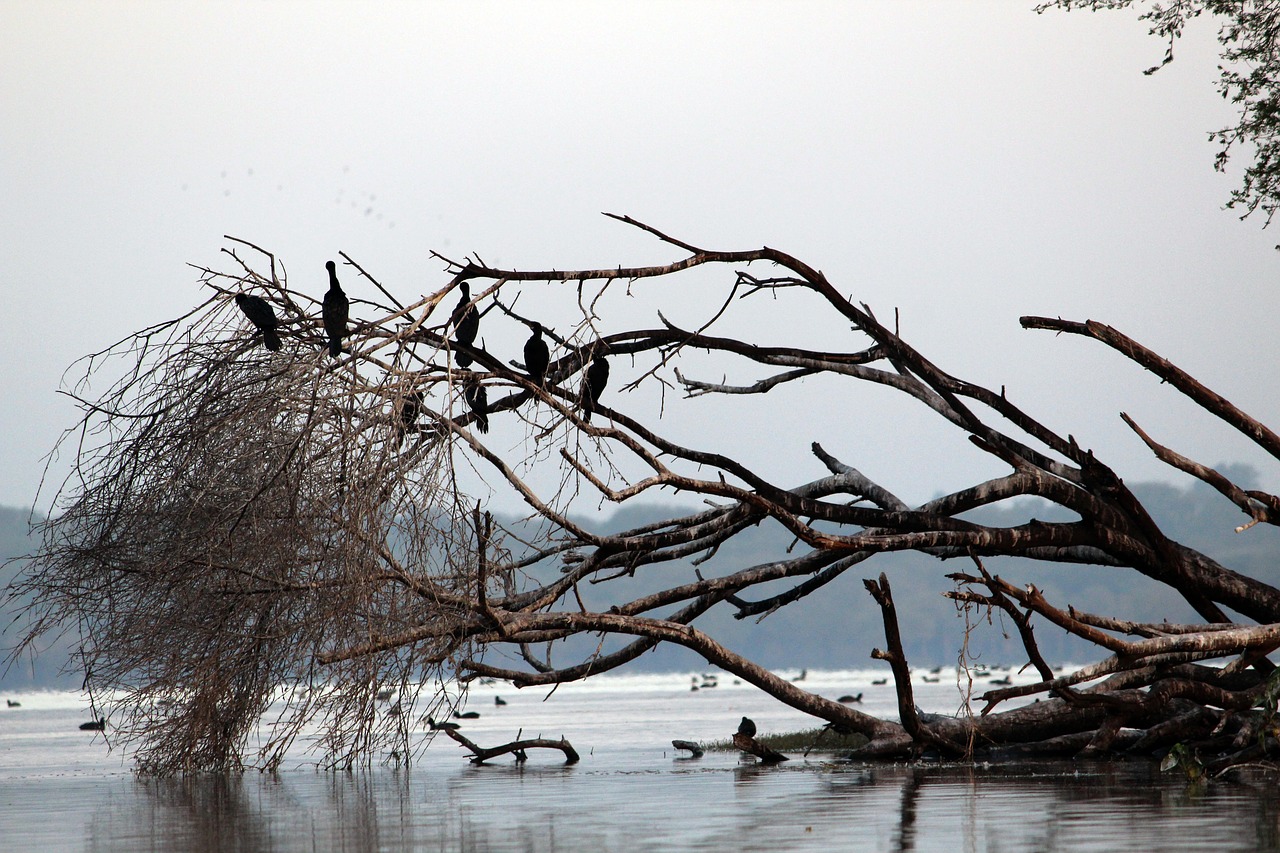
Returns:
(465,317)
(410,409)
(478,399)
(336,310)
(259,312)
(536,356)
(597,377)
(747,727)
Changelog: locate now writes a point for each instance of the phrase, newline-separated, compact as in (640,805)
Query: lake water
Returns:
(62,789)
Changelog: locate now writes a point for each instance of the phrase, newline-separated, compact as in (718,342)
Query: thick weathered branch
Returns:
(1207,399)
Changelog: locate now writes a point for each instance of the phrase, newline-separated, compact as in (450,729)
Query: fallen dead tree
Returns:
(244,521)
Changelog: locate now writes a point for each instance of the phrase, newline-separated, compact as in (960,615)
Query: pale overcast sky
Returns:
(965,163)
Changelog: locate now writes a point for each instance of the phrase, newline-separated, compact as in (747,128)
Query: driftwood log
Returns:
(690,746)
(751,746)
(479,754)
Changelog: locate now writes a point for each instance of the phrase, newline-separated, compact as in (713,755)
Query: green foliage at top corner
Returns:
(1249,78)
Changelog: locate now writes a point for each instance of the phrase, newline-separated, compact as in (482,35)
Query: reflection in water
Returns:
(621,802)
(906,835)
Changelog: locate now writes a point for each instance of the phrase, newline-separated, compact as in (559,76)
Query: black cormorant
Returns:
(465,318)
(98,725)
(336,311)
(259,312)
(536,356)
(498,700)
(410,408)
(597,378)
(434,726)
(478,399)
(747,727)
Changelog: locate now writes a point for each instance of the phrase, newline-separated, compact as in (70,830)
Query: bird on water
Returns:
(536,356)
(597,377)
(98,725)
(336,310)
(747,727)
(442,725)
(259,312)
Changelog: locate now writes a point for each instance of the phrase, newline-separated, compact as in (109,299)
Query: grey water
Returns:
(64,789)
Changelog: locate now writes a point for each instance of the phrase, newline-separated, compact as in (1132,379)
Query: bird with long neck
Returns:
(597,377)
(465,317)
(336,310)
(259,312)
(537,356)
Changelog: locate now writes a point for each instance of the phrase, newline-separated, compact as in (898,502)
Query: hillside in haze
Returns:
(44,670)
(837,627)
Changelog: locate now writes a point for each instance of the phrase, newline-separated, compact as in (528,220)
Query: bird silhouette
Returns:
(445,724)
(597,377)
(336,310)
(478,399)
(259,312)
(98,725)
(747,727)
(536,356)
(465,318)
(410,409)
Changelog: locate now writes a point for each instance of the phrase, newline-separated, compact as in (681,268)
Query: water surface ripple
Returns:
(61,789)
